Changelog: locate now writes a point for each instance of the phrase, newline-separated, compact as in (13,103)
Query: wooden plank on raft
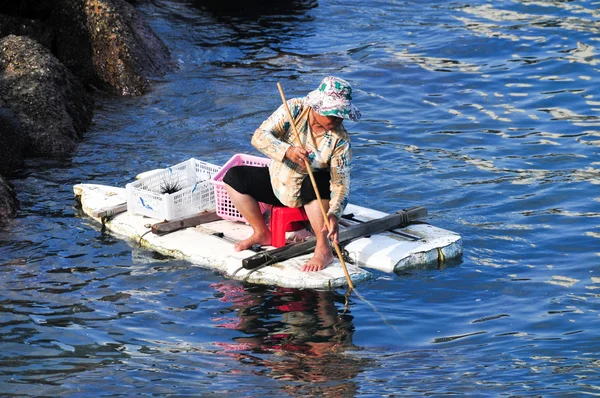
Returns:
(110,210)
(166,227)
(348,220)
(397,220)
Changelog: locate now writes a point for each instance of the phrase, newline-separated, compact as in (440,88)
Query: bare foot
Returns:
(263,239)
(318,262)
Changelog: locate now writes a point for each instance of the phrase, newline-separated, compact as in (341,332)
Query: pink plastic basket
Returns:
(226,209)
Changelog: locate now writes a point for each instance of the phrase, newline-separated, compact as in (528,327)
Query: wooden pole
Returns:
(314,184)
(397,220)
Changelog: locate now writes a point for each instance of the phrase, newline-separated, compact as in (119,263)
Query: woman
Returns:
(325,146)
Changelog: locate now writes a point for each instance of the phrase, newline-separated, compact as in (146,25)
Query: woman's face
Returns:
(328,122)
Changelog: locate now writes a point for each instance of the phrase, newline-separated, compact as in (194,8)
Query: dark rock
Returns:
(107,44)
(12,140)
(8,201)
(37,9)
(49,102)
(33,28)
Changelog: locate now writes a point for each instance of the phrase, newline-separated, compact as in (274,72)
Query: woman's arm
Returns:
(340,168)
(272,135)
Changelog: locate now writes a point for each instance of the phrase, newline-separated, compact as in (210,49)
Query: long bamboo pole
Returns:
(314,184)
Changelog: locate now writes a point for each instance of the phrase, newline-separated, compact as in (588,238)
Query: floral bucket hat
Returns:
(333,98)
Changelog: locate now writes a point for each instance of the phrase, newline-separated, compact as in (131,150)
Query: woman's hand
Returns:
(297,155)
(333,228)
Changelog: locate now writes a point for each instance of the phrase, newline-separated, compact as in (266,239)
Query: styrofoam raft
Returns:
(385,252)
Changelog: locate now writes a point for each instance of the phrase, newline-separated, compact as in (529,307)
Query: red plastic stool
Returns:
(284,219)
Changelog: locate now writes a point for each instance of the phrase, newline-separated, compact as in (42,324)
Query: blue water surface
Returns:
(487,113)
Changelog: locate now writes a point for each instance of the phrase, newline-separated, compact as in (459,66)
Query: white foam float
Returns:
(418,244)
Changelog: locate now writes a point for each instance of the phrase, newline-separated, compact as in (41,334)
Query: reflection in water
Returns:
(250,9)
(257,34)
(302,328)
(256,24)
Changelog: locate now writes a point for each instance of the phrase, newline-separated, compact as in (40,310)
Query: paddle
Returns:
(314,185)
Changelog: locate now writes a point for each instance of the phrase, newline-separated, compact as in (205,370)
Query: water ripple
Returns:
(487,114)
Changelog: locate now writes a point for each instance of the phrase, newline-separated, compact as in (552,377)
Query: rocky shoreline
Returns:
(54,55)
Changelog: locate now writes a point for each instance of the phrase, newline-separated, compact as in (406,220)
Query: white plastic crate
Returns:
(225,208)
(193,176)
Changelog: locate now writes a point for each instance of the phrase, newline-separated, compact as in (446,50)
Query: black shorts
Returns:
(256,182)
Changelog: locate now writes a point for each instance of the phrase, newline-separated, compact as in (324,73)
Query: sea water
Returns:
(486,113)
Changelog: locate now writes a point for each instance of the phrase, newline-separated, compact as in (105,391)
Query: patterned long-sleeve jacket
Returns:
(328,151)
